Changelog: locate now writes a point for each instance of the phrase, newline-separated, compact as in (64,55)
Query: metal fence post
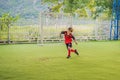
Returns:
(8,34)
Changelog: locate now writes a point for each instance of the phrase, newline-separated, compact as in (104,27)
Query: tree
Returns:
(95,7)
(6,20)
(100,7)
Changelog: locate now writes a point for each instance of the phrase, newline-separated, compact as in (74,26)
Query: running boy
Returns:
(68,41)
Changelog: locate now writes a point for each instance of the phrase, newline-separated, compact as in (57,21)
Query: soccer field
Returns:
(97,61)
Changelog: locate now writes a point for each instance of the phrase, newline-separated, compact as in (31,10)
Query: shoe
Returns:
(76,52)
(68,57)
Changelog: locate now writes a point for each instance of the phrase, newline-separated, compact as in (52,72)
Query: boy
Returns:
(68,41)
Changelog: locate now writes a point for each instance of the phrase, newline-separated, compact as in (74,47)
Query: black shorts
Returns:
(69,45)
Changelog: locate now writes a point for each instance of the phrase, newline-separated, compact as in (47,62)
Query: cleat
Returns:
(76,52)
(68,57)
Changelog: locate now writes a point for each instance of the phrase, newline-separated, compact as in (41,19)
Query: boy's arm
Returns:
(74,40)
(62,32)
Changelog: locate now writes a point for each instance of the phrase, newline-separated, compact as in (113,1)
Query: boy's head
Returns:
(70,29)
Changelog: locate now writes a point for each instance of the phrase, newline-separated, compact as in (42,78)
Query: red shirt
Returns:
(68,38)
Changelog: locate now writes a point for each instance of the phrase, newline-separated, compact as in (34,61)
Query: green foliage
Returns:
(7,20)
(73,5)
(97,8)
(57,7)
(26,9)
(52,1)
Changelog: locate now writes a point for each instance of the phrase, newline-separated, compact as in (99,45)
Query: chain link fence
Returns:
(48,27)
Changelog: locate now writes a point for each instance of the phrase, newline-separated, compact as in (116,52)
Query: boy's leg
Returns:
(69,50)
(69,47)
(73,50)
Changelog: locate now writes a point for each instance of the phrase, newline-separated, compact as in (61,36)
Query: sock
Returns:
(72,50)
(68,52)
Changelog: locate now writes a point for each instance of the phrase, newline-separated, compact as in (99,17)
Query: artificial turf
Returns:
(97,61)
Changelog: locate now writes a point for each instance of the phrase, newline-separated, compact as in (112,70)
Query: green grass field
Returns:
(97,61)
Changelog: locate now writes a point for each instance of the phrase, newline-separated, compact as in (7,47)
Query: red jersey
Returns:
(68,38)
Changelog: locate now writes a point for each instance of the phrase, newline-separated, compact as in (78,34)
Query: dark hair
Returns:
(70,29)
